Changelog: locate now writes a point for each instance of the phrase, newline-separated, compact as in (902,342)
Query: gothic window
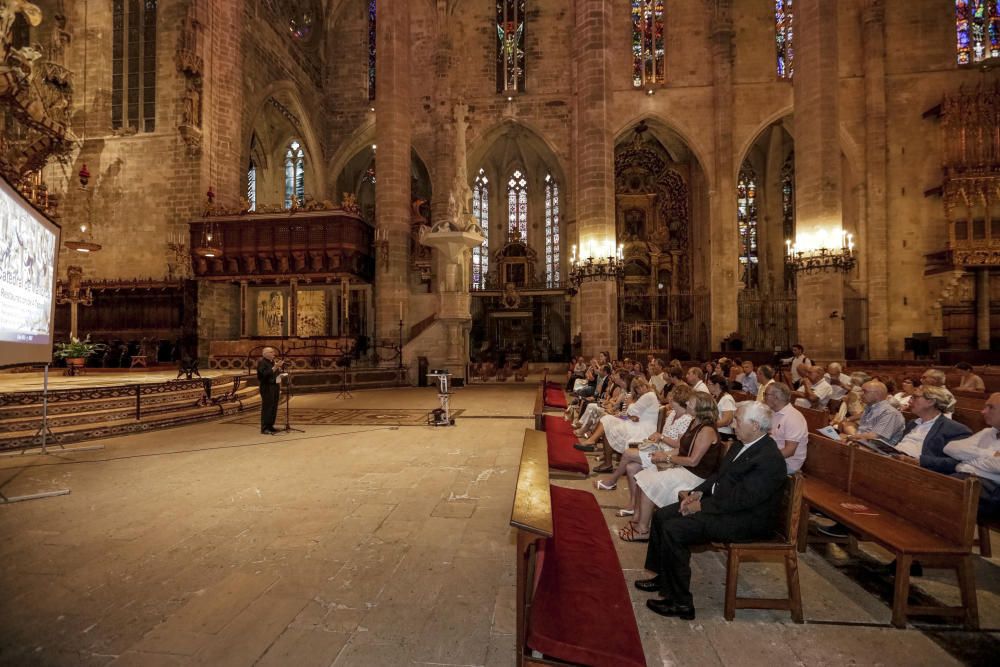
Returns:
(788,211)
(295,179)
(510,46)
(517,207)
(133,65)
(977,24)
(783,35)
(371,49)
(252,186)
(481,209)
(746,216)
(648,52)
(551,232)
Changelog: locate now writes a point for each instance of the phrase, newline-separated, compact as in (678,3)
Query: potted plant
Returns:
(75,352)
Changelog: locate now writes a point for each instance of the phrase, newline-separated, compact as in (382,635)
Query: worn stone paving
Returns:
(349,545)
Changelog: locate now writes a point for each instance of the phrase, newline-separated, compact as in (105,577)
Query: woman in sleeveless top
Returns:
(697,458)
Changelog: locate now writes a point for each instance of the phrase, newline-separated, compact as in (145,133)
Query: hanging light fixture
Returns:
(211,234)
(85,242)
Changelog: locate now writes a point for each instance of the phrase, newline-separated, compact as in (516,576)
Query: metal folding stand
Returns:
(345,366)
(44,431)
(441,416)
(286,379)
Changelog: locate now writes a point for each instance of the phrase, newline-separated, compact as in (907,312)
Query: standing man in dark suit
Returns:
(739,503)
(268,371)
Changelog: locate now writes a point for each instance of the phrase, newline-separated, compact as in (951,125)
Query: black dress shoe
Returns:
(668,608)
(585,448)
(648,585)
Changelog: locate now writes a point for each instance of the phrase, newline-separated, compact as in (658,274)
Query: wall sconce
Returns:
(603,262)
(822,250)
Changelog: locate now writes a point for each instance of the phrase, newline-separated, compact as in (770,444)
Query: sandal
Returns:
(624,512)
(601,486)
(630,534)
(602,470)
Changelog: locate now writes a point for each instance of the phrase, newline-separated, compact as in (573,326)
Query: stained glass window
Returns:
(481,209)
(977,24)
(517,207)
(510,46)
(783,35)
(648,52)
(788,211)
(252,186)
(746,216)
(133,65)
(551,232)
(371,49)
(295,179)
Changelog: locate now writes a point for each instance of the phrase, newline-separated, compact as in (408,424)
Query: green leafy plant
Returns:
(77,349)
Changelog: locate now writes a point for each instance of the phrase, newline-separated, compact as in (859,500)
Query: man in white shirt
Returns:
(796,360)
(695,377)
(923,439)
(656,376)
(765,378)
(840,383)
(748,379)
(788,427)
(815,391)
(979,456)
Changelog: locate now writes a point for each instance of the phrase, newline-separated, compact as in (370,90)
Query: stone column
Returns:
(770,227)
(392,192)
(724,244)
(818,204)
(877,243)
(983,309)
(595,171)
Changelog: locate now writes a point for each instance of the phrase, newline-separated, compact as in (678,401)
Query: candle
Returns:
(400,311)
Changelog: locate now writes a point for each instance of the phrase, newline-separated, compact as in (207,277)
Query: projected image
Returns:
(27,255)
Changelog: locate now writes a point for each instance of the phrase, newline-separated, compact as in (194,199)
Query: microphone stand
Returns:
(287,381)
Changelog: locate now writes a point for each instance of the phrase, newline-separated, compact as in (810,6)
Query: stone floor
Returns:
(358,545)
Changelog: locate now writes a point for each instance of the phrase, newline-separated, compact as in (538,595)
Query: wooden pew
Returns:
(815,419)
(565,461)
(915,513)
(572,602)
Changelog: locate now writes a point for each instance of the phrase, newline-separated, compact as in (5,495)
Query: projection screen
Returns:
(28,252)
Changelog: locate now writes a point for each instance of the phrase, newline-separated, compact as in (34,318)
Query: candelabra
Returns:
(211,237)
(85,242)
(602,263)
(817,252)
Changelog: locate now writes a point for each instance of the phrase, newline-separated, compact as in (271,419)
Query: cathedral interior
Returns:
(494,188)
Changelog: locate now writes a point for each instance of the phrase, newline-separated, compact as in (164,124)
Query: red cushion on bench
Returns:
(556,424)
(555,398)
(581,612)
(563,456)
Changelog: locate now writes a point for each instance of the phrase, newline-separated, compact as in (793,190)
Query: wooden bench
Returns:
(553,395)
(915,513)
(815,419)
(572,602)
(565,461)
(781,549)
(983,529)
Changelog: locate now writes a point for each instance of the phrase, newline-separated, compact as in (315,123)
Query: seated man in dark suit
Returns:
(739,503)
(924,438)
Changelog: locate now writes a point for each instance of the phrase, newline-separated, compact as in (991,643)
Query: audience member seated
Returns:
(924,438)
(577,371)
(748,379)
(814,390)
(879,420)
(788,427)
(970,381)
(765,376)
(609,401)
(696,458)
(738,503)
(617,432)
(851,409)
(901,401)
(840,382)
(718,387)
(695,377)
(635,459)
(979,456)
(594,377)
(657,377)
(932,377)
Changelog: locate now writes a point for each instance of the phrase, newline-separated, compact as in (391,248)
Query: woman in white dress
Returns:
(637,422)
(901,401)
(635,459)
(611,403)
(697,458)
(718,387)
